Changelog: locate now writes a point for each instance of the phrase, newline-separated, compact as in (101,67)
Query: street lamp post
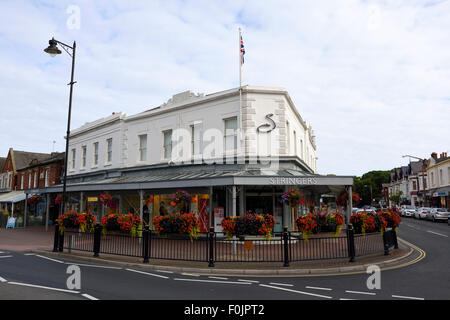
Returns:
(53,50)
(371,193)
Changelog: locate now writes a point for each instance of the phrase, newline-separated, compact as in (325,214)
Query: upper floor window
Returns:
(29,180)
(47,177)
(295,143)
(414,185)
(230,134)
(143,147)
(288,136)
(109,150)
(35,180)
(21,181)
(95,153)
(73,159)
(432,178)
(83,156)
(441,177)
(167,144)
(196,139)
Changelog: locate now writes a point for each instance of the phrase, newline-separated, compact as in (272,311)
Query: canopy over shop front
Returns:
(237,182)
(12,197)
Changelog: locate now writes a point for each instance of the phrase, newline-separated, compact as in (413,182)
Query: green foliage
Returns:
(375,179)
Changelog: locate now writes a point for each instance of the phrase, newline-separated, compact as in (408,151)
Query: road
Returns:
(33,276)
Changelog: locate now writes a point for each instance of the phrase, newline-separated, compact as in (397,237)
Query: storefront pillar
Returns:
(211,208)
(81,201)
(25,212)
(350,203)
(47,210)
(141,204)
(233,201)
(242,201)
(286,213)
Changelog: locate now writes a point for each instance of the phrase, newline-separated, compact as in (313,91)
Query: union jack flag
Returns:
(242,51)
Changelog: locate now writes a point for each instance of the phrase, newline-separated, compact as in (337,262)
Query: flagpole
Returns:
(240,93)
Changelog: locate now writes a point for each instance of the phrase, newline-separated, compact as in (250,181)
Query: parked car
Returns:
(421,213)
(407,211)
(438,214)
(366,210)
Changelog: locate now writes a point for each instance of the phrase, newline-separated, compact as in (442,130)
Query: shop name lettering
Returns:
(283,181)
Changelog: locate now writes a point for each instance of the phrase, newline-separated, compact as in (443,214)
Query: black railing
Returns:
(213,247)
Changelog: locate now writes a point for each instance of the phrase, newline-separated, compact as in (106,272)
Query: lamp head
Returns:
(52,49)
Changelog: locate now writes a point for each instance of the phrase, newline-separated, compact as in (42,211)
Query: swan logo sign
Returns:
(267,127)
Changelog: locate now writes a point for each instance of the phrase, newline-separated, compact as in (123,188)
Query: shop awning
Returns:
(195,179)
(13,197)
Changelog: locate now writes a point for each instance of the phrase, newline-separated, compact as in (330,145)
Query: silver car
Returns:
(438,214)
(422,213)
(408,211)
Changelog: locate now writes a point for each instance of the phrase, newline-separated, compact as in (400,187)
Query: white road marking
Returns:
(439,234)
(89,296)
(211,281)
(281,284)
(190,274)
(404,297)
(148,274)
(360,292)
(2,279)
(295,291)
(346,299)
(91,265)
(5,256)
(164,271)
(29,254)
(318,288)
(54,260)
(42,287)
(252,281)
(218,278)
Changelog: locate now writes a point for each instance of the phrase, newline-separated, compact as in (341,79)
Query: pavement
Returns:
(37,240)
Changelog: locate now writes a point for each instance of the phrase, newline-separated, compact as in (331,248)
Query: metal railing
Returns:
(213,247)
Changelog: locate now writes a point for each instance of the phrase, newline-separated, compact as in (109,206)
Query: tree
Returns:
(396,198)
(372,179)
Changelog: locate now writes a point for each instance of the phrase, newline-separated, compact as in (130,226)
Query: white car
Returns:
(408,211)
(422,213)
(437,214)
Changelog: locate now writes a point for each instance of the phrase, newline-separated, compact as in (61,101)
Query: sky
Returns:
(372,77)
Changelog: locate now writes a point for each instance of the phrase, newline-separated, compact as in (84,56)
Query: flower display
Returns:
(336,219)
(366,222)
(250,224)
(58,200)
(68,219)
(391,218)
(181,196)
(86,221)
(110,222)
(186,223)
(293,198)
(307,224)
(34,199)
(131,223)
(107,200)
(342,199)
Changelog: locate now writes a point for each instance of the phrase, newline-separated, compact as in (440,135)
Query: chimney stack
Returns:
(434,155)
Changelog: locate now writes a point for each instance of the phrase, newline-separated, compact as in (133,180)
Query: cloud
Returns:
(371,77)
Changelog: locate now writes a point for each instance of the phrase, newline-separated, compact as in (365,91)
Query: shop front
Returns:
(209,195)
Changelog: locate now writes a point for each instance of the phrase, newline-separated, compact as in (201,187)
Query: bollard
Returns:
(97,238)
(211,247)
(386,243)
(61,242)
(145,246)
(286,246)
(351,242)
(56,238)
(394,233)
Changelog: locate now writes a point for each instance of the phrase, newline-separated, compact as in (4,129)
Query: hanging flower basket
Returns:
(86,221)
(293,198)
(187,224)
(107,200)
(35,199)
(342,199)
(110,223)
